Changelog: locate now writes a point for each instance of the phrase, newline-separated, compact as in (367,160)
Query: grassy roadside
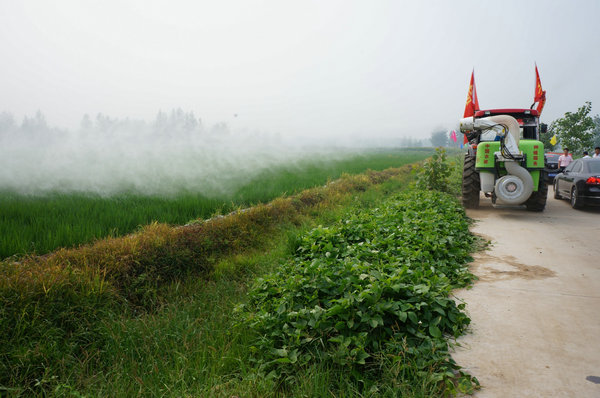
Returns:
(170,330)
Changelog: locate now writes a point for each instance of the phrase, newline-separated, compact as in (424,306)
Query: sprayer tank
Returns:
(533,161)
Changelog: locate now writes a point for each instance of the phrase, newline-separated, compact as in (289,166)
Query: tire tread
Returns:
(470,184)
(537,200)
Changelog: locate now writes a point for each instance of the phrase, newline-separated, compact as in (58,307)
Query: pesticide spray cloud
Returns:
(106,156)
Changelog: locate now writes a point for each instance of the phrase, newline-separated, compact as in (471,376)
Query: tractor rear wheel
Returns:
(537,200)
(470,184)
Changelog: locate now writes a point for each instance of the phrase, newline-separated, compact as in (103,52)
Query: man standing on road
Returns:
(564,159)
(585,155)
(596,152)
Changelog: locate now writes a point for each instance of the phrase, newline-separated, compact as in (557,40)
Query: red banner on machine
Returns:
(472,104)
(539,95)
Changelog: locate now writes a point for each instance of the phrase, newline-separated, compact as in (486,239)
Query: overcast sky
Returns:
(296,67)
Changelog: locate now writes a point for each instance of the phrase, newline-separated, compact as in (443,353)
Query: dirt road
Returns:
(536,308)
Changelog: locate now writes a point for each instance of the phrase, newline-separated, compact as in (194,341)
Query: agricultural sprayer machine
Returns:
(505,158)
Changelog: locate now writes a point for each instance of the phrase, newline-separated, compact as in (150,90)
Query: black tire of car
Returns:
(576,201)
(556,194)
(537,200)
(470,184)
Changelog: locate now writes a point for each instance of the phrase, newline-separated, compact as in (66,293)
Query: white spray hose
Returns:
(498,124)
(516,187)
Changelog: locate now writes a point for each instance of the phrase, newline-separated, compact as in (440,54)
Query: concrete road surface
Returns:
(535,310)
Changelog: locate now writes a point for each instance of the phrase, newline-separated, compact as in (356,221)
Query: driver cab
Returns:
(528,128)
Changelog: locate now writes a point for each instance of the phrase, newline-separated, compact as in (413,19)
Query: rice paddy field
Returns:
(40,223)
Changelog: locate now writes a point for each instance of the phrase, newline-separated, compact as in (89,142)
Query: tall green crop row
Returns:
(42,224)
(371,291)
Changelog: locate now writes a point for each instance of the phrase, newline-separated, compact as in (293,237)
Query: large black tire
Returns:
(556,193)
(537,200)
(470,184)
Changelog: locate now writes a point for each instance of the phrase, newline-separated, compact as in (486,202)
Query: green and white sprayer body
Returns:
(510,166)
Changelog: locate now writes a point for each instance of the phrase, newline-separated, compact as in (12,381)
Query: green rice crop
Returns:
(41,224)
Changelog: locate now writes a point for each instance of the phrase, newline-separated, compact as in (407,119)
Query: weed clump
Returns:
(435,172)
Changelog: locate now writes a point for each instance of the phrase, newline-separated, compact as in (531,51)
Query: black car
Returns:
(580,182)
(551,166)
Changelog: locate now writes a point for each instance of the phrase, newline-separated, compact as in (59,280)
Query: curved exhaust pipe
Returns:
(513,129)
(517,186)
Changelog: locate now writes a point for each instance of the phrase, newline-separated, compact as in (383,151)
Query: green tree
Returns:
(545,138)
(597,131)
(575,130)
(439,138)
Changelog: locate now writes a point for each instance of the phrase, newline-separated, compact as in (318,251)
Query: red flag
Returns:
(539,95)
(475,99)
(472,104)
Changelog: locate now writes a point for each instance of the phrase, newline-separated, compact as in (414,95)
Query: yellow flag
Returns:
(553,140)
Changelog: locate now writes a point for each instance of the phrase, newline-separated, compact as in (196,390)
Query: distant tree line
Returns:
(173,123)
(410,142)
(438,138)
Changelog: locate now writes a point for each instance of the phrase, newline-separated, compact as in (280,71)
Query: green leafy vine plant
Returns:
(370,292)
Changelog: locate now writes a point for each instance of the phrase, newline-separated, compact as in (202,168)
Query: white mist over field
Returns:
(313,74)
(174,153)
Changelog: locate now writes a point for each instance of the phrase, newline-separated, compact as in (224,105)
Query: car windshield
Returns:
(594,166)
(552,157)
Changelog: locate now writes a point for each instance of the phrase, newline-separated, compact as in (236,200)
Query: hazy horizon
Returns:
(173,154)
(305,69)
